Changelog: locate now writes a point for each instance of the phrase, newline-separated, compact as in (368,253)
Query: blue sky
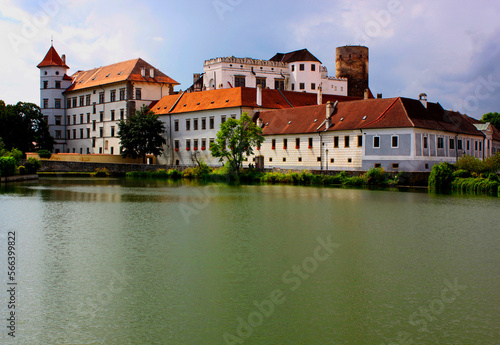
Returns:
(447,49)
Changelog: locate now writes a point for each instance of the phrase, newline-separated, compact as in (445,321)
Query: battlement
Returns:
(246,61)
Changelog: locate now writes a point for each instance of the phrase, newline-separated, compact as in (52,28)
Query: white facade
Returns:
(302,76)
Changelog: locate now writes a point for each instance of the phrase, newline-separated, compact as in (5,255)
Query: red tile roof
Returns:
(238,97)
(496,132)
(123,71)
(366,114)
(52,59)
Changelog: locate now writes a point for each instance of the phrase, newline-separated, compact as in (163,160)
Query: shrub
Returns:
(160,173)
(471,164)
(174,174)
(7,166)
(476,186)
(32,165)
(441,177)
(100,172)
(44,153)
(355,181)
(377,177)
(461,173)
(492,164)
(21,170)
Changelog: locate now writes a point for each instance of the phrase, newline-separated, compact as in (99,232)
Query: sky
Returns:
(448,49)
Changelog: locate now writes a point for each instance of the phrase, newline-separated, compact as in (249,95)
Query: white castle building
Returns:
(295,71)
(83,110)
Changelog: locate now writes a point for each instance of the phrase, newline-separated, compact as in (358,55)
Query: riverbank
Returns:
(19,178)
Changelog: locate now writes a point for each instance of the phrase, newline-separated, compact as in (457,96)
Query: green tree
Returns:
(493,118)
(141,134)
(22,126)
(235,139)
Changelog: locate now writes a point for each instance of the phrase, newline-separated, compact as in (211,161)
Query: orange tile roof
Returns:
(237,97)
(52,59)
(119,72)
(365,114)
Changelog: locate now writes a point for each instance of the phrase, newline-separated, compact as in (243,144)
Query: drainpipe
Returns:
(456,148)
(320,151)
(103,114)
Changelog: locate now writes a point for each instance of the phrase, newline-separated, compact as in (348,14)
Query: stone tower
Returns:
(351,62)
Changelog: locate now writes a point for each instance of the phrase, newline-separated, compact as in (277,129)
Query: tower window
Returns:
(58,84)
(45,84)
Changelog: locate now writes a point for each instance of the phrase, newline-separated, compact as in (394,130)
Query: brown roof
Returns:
(238,97)
(123,71)
(52,59)
(366,114)
(496,132)
(298,55)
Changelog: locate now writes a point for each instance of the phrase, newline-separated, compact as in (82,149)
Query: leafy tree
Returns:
(493,118)
(141,133)
(22,126)
(235,139)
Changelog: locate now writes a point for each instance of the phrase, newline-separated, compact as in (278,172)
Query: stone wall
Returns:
(58,166)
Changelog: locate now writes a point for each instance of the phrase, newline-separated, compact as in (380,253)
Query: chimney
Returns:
(63,57)
(143,71)
(423,99)
(379,95)
(152,72)
(320,95)
(329,111)
(259,95)
(367,94)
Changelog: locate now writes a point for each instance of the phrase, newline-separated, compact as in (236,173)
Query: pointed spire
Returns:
(52,59)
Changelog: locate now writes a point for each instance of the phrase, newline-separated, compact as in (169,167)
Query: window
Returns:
(74,133)
(195,144)
(101,97)
(360,140)
(378,165)
(300,159)
(313,67)
(112,131)
(188,144)
(297,143)
(45,103)
(122,114)
(188,124)
(204,123)
(426,139)
(261,81)
(93,108)
(284,159)
(212,122)
(293,68)
(46,119)
(176,145)
(101,116)
(68,120)
(112,150)
(475,145)
(81,133)
(93,125)
(335,141)
(395,165)
(58,120)
(285,144)
(112,115)
(81,118)
(394,141)
(222,119)
(279,84)
(68,134)
(468,145)
(57,104)
(195,124)
(239,81)
(293,87)
(313,86)
(310,143)
(74,119)
(452,144)
(176,125)
(211,141)
(45,84)
(100,149)
(82,101)
(112,96)
(233,116)
(58,134)
(138,94)
(302,86)
(273,144)
(88,132)
(376,142)
(440,143)
(459,144)
(122,94)
(101,132)
(203,144)
(301,67)
(58,84)
(87,100)
(270,159)
(332,160)
(346,141)
(88,117)
(93,142)
(68,103)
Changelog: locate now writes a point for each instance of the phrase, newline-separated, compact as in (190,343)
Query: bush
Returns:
(492,164)
(7,166)
(441,177)
(477,185)
(377,177)
(32,165)
(461,173)
(471,164)
(44,153)
(355,181)
(100,172)
(174,174)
